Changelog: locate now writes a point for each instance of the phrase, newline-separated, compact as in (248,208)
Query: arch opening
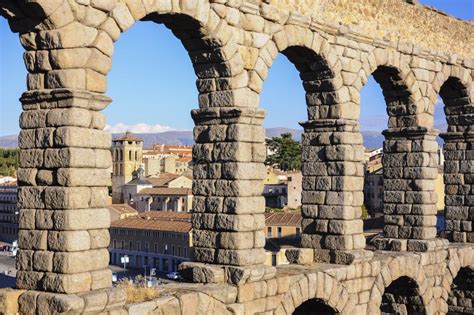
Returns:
(461,296)
(402,296)
(315,307)
(458,111)
(385,106)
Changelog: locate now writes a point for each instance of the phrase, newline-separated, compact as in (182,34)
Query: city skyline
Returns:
(174,85)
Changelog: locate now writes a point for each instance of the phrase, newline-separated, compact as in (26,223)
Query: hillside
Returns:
(372,139)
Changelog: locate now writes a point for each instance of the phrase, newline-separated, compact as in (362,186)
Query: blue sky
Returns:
(152,82)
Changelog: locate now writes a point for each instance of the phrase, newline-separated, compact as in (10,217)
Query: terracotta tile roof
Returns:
(163,179)
(185,159)
(165,191)
(122,209)
(166,215)
(157,221)
(283,219)
(128,136)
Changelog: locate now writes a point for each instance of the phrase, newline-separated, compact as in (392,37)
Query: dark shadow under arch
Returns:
(402,296)
(314,307)
(457,105)
(400,107)
(461,296)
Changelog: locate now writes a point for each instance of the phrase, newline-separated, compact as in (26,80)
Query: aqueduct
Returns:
(415,53)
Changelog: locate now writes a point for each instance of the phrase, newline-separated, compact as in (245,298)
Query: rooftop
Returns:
(165,191)
(123,209)
(283,219)
(164,179)
(128,136)
(157,221)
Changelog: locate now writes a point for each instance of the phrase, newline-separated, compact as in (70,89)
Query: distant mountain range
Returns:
(372,139)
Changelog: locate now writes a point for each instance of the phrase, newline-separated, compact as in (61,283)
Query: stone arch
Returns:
(28,16)
(399,85)
(401,266)
(457,259)
(317,64)
(455,87)
(315,286)
(83,62)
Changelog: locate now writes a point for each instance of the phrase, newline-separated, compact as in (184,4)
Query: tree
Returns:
(286,152)
(8,162)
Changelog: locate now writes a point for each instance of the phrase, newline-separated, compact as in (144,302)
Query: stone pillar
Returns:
(410,167)
(459,186)
(65,168)
(228,207)
(333,180)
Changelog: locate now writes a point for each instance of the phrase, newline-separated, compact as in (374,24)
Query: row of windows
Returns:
(280,232)
(9,207)
(8,198)
(7,230)
(165,249)
(118,169)
(156,234)
(118,155)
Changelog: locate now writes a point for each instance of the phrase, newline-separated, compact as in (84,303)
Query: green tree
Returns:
(287,152)
(8,162)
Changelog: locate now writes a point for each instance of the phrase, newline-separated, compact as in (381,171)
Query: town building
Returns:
(160,240)
(8,210)
(164,199)
(121,211)
(178,150)
(283,230)
(161,158)
(276,195)
(127,158)
(373,185)
(282,189)
(166,192)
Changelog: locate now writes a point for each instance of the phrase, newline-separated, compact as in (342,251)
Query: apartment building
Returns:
(8,211)
(283,231)
(160,240)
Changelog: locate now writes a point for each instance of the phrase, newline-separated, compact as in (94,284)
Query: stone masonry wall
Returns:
(414,53)
(426,26)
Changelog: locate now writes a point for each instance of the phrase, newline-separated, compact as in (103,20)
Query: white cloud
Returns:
(139,128)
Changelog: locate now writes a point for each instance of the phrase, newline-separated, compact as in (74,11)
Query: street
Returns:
(7,270)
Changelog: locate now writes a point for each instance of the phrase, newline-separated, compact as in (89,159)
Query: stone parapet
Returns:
(94,302)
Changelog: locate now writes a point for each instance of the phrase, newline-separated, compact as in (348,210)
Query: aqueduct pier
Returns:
(415,53)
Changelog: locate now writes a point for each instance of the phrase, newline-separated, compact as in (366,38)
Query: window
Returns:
(156,248)
(165,249)
(138,246)
(129,155)
(274,259)
(179,251)
(269,232)
(279,232)
(130,245)
(172,250)
(185,254)
(123,245)
(136,156)
(147,247)
(115,244)
(298,231)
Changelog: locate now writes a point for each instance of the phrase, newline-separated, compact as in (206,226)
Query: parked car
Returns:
(174,276)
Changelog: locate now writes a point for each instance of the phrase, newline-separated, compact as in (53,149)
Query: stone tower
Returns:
(127,158)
